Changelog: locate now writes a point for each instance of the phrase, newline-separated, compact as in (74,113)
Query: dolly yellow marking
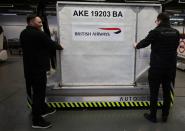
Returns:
(99,104)
(53,105)
(72,104)
(76,103)
(140,103)
(58,105)
(113,104)
(95,104)
(63,104)
(104,104)
(67,104)
(131,104)
(122,104)
(117,103)
(81,104)
(108,104)
(136,104)
(86,104)
(90,104)
(127,104)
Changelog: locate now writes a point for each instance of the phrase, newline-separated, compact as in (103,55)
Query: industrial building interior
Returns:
(15,115)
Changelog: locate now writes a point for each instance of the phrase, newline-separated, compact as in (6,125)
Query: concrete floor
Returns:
(15,116)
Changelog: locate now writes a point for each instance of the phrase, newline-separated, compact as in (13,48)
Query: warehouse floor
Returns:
(15,116)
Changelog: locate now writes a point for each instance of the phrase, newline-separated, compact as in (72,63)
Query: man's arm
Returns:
(50,43)
(55,45)
(146,41)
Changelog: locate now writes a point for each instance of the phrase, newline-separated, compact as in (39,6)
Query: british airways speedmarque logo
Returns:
(116,30)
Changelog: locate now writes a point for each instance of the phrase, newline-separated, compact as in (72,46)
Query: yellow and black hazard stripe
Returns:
(29,102)
(101,105)
(97,105)
(172,94)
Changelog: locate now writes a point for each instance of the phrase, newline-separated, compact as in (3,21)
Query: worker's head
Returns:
(35,21)
(163,18)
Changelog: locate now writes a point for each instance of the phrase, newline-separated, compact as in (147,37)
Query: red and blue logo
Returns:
(115,30)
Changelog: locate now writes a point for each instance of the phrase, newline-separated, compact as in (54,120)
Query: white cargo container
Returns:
(99,66)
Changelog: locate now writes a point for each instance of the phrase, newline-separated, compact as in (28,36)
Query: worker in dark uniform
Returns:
(36,45)
(164,41)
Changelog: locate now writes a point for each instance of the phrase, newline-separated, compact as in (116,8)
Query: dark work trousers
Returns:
(166,78)
(37,83)
(29,89)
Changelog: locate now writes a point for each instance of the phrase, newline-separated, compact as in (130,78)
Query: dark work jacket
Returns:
(164,41)
(36,45)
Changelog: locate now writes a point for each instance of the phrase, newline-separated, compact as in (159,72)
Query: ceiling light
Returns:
(6,5)
(8,14)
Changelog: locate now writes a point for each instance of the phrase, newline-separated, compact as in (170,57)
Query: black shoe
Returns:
(150,118)
(164,118)
(41,123)
(48,111)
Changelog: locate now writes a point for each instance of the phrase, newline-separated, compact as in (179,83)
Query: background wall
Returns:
(179,28)
(13,25)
